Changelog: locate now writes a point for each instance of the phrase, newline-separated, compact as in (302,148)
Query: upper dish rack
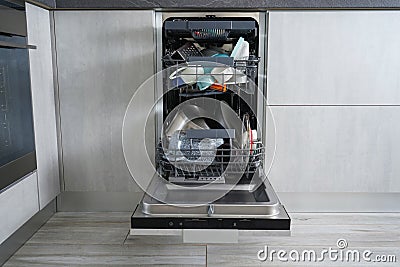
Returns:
(230,74)
(227,48)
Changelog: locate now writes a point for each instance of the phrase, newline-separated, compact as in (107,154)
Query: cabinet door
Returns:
(336,149)
(102,58)
(334,57)
(43,102)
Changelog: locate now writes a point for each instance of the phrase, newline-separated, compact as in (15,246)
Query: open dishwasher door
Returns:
(209,163)
(238,209)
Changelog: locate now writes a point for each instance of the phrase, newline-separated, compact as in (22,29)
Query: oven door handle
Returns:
(16,46)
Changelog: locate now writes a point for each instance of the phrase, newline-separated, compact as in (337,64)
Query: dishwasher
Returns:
(210,153)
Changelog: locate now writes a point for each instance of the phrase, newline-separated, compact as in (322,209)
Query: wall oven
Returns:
(17,147)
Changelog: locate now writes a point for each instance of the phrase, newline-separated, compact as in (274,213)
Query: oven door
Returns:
(17,147)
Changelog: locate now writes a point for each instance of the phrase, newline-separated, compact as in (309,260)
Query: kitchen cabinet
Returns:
(330,78)
(43,102)
(334,58)
(18,204)
(336,149)
(102,58)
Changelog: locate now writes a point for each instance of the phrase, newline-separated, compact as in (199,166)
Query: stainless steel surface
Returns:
(15,45)
(43,103)
(224,211)
(102,58)
(182,120)
(242,203)
(261,111)
(16,169)
(159,88)
(334,58)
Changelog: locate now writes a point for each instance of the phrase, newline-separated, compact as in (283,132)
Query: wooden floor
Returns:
(101,239)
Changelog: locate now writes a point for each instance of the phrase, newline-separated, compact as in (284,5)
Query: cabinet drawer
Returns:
(17,205)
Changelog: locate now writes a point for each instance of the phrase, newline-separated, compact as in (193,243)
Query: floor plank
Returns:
(238,255)
(101,239)
(109,255)
(345,218)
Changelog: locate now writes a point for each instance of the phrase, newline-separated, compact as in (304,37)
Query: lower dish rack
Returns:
(193,166)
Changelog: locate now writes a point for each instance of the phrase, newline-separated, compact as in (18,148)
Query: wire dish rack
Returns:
(223,73)
(174,166)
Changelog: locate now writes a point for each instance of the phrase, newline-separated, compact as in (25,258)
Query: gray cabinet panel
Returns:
(103,56)
(18,204)
(43,103)
(336,149)
(334,57)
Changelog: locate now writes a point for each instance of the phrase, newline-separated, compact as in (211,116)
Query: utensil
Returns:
(218,87)
(186,51)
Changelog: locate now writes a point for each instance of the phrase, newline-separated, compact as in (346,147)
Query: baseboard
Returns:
(98,201)
(293,201)
(19,237)
(340,202)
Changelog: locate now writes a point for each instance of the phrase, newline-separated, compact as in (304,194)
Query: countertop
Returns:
(217,4)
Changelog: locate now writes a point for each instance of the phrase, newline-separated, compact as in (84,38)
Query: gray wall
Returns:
(334,88)
(102,57)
